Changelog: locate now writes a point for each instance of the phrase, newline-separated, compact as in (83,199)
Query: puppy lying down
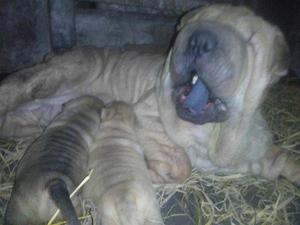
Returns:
(54,164)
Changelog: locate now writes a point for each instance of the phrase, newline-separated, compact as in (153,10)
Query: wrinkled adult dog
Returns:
(202,100)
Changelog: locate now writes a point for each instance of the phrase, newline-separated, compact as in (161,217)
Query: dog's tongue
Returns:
(197,98)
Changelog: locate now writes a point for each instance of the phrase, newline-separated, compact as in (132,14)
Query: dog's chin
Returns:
(195,103)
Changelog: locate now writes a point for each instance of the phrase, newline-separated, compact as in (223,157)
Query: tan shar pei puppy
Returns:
(118,191)
(198,106)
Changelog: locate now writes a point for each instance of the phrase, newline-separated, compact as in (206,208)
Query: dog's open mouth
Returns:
(197,104)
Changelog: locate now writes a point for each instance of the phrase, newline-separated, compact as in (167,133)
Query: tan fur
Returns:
(167,162)
(241,144)
(120,186)
(244,140)
(30,202)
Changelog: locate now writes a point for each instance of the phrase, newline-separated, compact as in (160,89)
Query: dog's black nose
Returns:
(202,42)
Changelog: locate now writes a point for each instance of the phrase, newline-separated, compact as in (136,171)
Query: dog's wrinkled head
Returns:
(221,63)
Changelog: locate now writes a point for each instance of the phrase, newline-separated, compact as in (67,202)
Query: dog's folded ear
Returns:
(281,56)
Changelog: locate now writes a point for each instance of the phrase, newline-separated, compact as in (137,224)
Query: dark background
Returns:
(31,29)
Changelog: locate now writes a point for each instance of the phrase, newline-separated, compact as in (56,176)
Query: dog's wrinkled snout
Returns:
(202,42)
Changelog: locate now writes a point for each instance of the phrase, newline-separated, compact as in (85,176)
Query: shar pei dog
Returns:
(55,163)
(199,106)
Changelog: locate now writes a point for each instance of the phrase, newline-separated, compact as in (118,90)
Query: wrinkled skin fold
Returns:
(54,165)
(196,107)
(124,194)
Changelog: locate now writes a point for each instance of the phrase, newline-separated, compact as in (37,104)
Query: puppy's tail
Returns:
(60,196)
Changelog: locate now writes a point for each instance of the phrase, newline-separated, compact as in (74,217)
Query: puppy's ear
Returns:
(119,111)
(105,114)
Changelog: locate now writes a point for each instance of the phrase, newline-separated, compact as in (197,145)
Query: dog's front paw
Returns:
(169,165)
